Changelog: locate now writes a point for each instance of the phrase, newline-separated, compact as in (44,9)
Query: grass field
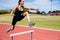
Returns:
(51,22)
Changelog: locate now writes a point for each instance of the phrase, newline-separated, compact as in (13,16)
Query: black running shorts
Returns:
(18,15)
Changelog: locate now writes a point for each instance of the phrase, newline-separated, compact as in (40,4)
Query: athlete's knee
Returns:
(26,13)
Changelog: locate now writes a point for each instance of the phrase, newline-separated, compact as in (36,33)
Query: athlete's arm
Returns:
(32,8)
(13,10)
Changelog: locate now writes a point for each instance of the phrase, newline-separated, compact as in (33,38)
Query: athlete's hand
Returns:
(11,14)
(37,9)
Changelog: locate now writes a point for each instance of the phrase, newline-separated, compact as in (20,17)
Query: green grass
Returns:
(51,22)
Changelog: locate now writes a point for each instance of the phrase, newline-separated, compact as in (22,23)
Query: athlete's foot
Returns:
(31,24)
(8,30)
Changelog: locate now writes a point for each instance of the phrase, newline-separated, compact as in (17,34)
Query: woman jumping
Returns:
(19,13)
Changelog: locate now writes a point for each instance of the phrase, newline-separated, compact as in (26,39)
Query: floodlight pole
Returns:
(51,5)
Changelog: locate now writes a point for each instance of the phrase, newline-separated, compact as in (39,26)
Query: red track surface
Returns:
(38,34)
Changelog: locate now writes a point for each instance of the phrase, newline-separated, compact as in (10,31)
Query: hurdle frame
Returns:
(20,33)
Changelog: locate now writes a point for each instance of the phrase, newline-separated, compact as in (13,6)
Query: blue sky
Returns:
(43,5)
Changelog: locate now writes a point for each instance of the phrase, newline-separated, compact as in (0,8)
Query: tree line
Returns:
(37,12)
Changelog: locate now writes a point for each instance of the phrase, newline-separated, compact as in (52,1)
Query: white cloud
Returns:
(8,4)
(43,5)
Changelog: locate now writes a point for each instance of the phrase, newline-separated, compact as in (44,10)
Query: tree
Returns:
(38,12)
(3,11)
(43,13)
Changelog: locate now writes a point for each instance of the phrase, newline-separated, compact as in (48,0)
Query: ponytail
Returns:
(19,2)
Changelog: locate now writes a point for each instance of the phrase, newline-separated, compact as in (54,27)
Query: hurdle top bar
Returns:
(20,33)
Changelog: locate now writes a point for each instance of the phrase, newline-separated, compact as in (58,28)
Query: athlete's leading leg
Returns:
(28,19)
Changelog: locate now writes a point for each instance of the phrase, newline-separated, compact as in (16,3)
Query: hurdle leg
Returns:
(31,36)
(12,38)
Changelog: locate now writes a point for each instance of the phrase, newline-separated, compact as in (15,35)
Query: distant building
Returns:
(54,12)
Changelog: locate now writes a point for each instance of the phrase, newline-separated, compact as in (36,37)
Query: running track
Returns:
(38,34)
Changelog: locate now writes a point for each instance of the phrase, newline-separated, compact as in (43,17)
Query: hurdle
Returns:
(20,33)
